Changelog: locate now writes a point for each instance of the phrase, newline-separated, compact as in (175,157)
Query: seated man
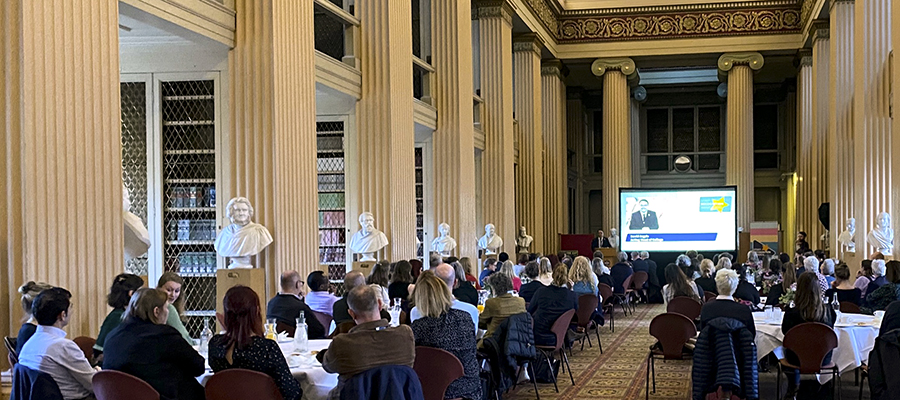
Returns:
(620,272)
(724,304)
(371,343)
(320,298)
(50,352)
(341,309)
(490,265)
(447,274)
(288,303)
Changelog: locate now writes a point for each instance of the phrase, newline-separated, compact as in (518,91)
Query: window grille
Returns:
(134,158)
(332,198)
(420,206)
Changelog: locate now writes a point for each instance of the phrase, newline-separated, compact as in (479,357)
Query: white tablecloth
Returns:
(315,382)
(854,341)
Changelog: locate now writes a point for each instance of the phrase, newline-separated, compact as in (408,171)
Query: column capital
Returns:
(804,58)
(485,9)
(819,30)
(554,67)
(624,64)
(833,3)
(753,60)
(527,42)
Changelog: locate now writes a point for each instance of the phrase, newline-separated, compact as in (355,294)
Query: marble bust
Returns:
(443,244)
(242,238)
(490,242)
(523,241)
(367,240)
(847,240)
(137,239)
(882,237)
(614,238)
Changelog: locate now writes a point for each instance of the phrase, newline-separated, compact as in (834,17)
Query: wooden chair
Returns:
(11,355)
(86,344)
(436,369)
(637,285)
(848,307)
(559,328)
(686,306)
(115,385)
(587,304)
(623,297)
(283,327)
(811,342)
(609,305)
(324,319)
(672,331)
(709,296)
(241,384)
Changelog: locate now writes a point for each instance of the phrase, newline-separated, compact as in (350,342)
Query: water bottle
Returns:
(301,338)
(205,335)
(835,304)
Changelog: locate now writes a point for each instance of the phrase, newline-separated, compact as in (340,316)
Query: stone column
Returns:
(616,134)
(805,188)
(789,199)
(576,142)
(61,218)
(386,140)
(739,121)
(822,136)
(840,125)
(454,160)
(871,116)
(494,19)
(553,93)
(530,207)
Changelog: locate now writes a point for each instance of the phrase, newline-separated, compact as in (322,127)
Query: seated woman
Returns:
(447,329)
(602,272)
(144,346)
(678,285)
(464,291)
(887,293)
(724,304)
(546,276)
(29,291)
(707,281)
(548,304)
(585,282)
(507,269)
(788,278)
(864,277)
(401,279)
(843,286)
(501,306)
(466,263)
(808,307)
(772,276)
(120,293)
(532,271)
(243,345)
(171,283)
(745,290)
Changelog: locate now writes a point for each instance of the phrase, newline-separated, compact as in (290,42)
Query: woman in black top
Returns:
(843,287)
(727,281)
(707,281)
(549,303)
(243,344)
(532,271)
(400,281)
(464,290)
(745,290)
(809,307)
(144,346)
(788,278)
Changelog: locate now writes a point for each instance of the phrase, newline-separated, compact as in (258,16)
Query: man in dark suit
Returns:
(620,272)
(653,290)
(341,311)
(601,241)
(643,218)
(287,305)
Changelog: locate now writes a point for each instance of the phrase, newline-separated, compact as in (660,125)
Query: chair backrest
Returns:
(31,384)
(810,351)
(10,343)
(343,327)
(11,359)
(436,369)
(587,303)
(241,384)
(116,385)
(709,296)
(686,306)
(606,293)
(560,326)
(639,279)
(627,283)
(672,330)
(86,344)
(283,327)
(848,307)
(324,319)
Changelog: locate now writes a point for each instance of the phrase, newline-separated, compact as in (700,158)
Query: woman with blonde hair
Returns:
(466,263)
(549,303)
(29,291)
(546,271)
(707,279)
(507,269)
(584,280)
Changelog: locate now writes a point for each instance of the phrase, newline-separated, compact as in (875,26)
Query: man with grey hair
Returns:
(371,343)
(620,272)
(341,310)
(287,305)
(447,273)
(434,259)
(724,305)
(656,276)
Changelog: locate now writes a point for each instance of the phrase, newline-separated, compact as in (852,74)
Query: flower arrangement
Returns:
(788,296)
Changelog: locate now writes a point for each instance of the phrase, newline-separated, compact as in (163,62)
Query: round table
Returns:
(856,338)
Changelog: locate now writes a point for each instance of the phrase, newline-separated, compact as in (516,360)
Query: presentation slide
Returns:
(677,220)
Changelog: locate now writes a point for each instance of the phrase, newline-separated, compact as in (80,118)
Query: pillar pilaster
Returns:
(895,127)
(553,93)
(805,167)
(454,185)
(494,19)
(530,207)
(616,132)
(823,139)
(739,120)
(840,126)
(576,137)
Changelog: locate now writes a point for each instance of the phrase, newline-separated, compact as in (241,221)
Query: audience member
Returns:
(707,282)
(447,274)
(501,306)
(784,258)
(811,264)
(808,307)
(546,276)
(745,290)
(891,318)
(29,291)
(379,278)
(843,287)
(466,263)
(287,305)
(415,268)
(521,260)
(441,325)
(503,257)
(319,298)
(771,276)
(171,283)
(638,263)
(50,352)
(827,269)
(679,285)
(654,287)
(887,293)
(724,263)
(600,242)
(507,269)
(863,277)
(619,273)
(120,292)
(143,345)
(490,266)
(689,266)
(341,311)
(788,279)
(878,278)
(369,344)
(244,346)
(532,271)
(820,255)
(462,289)
(602,272)
(725,305)
(548,304)
(800,245)
(434,259)
(400,282)
(583,279)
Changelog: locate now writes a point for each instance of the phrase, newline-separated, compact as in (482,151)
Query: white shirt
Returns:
(50,352)
(518,268)
(724,297)
(322,301)
(459,305)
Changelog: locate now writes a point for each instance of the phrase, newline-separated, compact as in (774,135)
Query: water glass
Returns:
(777,316)
(770,313)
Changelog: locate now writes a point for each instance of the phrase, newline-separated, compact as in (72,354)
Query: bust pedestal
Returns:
(254,278)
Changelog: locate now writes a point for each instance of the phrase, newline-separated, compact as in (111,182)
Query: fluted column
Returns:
(575,140)
(386,139)
(494,19)
(789,206)
(823,140)
(454,184)
(60,115)
(840,125)
(273,133)
(553,93)
(871,116)
(805,189)
(616,132)
(739,122)
(530,207)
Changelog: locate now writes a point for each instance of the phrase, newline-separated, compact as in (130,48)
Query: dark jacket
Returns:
(746,291)
(884,362)
(387,382)
(707,285)
(528,290)
(466,293)
(514,341)
(848,295)
(158,355)
(31,384)
(652,271)
(596,243)
(641,265)
(341,313)
(727,308)
(287,307)
(875,284)
(548,304)
(25,333)
(725,355)
(619,273)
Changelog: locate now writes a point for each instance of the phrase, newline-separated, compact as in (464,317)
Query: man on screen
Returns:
(644,218)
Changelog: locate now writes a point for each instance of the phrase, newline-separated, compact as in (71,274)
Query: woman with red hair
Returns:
(243,345)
